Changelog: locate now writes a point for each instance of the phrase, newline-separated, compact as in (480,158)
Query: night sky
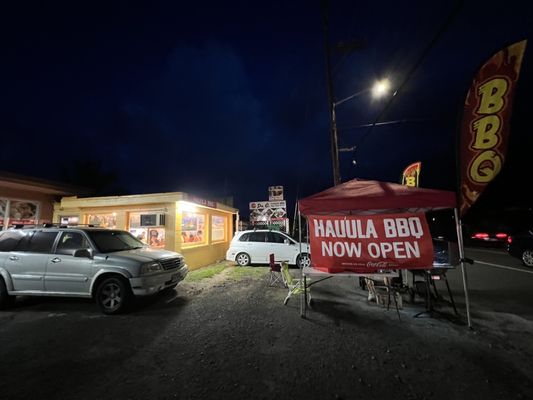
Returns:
(227,98)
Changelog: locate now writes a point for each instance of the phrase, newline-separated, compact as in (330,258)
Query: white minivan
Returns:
(255,247)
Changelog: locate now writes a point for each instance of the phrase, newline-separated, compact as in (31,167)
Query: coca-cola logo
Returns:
(378,264)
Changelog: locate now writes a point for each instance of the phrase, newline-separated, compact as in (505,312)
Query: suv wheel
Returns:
(5,299)
(112,295)
(243,259)
(304,260)
(527,258)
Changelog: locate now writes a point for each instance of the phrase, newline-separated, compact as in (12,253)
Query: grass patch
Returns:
(205,272)
(241,273)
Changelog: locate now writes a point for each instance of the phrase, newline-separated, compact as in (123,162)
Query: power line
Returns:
(397,121)
(443,28)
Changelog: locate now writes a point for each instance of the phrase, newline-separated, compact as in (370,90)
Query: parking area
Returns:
(229,334)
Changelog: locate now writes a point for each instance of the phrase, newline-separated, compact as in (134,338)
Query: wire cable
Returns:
(443,28)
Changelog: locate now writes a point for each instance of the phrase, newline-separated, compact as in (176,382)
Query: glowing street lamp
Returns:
(380,89)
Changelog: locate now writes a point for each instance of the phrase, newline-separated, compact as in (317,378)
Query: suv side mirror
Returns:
(83,253)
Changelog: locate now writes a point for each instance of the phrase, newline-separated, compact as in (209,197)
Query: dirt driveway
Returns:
(230,336)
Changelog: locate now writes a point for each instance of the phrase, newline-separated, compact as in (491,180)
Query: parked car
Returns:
(255,246)
(487,233)
(489,238)
(107,265)
(521,246)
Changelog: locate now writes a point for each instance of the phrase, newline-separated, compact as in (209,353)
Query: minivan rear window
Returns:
(257,237)
(244,237)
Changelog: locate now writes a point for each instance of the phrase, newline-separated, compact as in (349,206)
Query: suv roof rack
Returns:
(77,225)
(51,225)
(28,226)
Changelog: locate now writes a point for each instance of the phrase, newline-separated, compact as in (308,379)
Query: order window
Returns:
(103,220)
(192,228)
(154,236)
(135,228)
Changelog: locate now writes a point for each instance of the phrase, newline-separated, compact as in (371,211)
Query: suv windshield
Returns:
(111,241)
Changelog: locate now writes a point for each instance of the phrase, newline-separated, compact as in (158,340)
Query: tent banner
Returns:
(486,120)
(370,243)
(411,174)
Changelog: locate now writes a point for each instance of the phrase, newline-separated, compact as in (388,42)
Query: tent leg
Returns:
(467,301)
(303,291)
(463,269)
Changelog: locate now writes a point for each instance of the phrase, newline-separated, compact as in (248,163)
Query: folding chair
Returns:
(384,288)
(274,277)
(292,284)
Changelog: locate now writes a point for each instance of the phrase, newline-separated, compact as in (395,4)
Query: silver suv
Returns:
(107,265)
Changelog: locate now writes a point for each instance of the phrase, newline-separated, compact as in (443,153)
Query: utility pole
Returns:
(331,101)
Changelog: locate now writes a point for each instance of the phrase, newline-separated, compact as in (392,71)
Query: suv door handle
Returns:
(14,258)
(56,260)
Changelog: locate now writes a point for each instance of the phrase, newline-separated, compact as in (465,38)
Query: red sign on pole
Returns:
(370,243)
(411,174)
(485,124)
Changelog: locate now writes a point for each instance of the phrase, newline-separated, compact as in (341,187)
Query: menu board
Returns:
(268,211)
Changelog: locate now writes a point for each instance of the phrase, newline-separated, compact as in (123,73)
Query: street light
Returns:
(380,89)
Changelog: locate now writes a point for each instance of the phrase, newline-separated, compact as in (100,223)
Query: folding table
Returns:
(319,276)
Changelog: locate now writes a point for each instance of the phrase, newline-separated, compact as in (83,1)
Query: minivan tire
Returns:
(112,295)
(242,259)
(303,260)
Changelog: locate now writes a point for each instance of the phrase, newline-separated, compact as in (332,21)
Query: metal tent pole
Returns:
(302,294)
(294,218)
(463,269)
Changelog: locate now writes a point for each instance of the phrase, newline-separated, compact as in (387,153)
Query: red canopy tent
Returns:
(358,195)
(373,197)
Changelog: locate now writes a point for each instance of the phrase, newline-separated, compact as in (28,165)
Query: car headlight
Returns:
(151,267)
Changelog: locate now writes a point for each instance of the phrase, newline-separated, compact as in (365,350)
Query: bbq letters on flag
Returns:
(485,124)
(370,243)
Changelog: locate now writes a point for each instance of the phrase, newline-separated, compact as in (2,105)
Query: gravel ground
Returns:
(230,336)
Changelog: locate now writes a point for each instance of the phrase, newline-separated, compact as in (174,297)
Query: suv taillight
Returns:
(509,239)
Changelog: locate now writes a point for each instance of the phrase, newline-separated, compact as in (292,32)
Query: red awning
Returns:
(365,196)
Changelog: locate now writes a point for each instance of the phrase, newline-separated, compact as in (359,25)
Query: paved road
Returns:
(496,282)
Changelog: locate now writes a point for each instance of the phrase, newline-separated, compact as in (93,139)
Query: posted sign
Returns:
(486,122)
(370,243)
(268,211)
